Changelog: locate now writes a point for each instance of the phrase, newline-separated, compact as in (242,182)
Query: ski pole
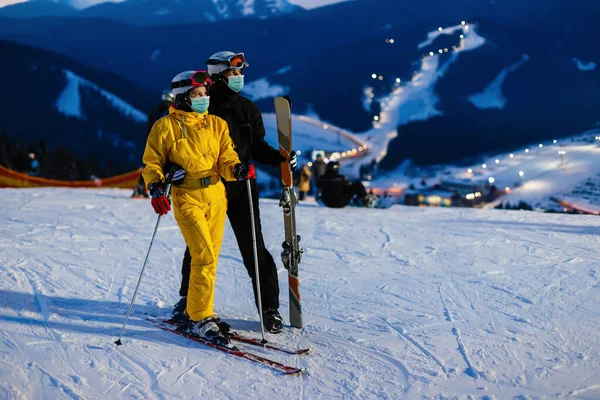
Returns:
(118,341)
(256,273)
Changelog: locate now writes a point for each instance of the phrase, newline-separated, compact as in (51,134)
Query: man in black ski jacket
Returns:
(248,134)
(337,191)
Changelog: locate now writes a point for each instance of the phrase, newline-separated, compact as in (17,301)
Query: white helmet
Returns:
(186,80)
(224,60)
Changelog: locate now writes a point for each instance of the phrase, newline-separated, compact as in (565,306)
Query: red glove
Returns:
(244,171)
(159,201)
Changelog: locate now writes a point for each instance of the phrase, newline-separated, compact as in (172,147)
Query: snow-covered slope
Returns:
(69,100)
(413,303)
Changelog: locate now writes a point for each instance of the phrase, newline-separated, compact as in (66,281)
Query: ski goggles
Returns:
(235,61)
(198,78)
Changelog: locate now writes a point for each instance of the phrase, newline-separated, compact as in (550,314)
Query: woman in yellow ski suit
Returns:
(201,146)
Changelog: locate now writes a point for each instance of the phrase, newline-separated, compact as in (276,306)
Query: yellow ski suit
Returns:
(201,144)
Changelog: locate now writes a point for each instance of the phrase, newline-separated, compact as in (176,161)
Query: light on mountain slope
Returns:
(416,99)
(69,100)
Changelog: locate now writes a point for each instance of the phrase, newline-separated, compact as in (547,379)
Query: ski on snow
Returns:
(234,351)
(236,336)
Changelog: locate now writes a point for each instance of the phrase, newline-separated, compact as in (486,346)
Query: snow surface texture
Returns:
(491,97)
(69,100)
(419,303)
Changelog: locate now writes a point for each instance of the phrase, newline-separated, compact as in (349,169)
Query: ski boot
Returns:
(272,320)
(179,314)
(206,329)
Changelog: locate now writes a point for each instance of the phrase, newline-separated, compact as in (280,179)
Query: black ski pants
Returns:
(238,213)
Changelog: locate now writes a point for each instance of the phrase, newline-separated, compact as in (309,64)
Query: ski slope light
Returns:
(497,161)
(325,126)
(380,77)
(491,179)
(541,145)
(462,36)
(398,80)
(463,23)
(440,29)
(376,118)
(310,164)
(521,173)
(431,53)
(470,171)
(392,41)
(440,51)
(512,155)
(526,150)
(554,141)
(507,189)
(374,76)
(484,166)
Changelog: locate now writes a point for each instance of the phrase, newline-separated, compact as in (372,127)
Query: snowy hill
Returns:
(154,11)
(88,112)
(405,303)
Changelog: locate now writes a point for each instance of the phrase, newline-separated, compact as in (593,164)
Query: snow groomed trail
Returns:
(399,303)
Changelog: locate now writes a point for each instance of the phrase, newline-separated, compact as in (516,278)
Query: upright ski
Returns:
(292,253)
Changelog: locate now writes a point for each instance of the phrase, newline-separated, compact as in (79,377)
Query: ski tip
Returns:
(295,371)
(118,342)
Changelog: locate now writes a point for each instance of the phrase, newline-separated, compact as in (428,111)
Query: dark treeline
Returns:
(34,158)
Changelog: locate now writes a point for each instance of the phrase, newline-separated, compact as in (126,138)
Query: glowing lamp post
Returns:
(562,153)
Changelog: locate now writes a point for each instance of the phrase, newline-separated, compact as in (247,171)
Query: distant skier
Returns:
(318,168)
(304,182)
(337,191)
(248,134)
(200,145)
(162,109)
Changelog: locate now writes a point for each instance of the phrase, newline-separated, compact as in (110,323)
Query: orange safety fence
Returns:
(9,178)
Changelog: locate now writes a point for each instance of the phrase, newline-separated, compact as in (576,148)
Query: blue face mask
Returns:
(236,83)
(200,104)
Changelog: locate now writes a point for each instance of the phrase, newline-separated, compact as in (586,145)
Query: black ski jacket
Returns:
(335,189)
(245,125)
(157,113)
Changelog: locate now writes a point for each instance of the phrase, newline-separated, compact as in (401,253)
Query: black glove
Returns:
(244,171)
(176,176)
(293,161)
